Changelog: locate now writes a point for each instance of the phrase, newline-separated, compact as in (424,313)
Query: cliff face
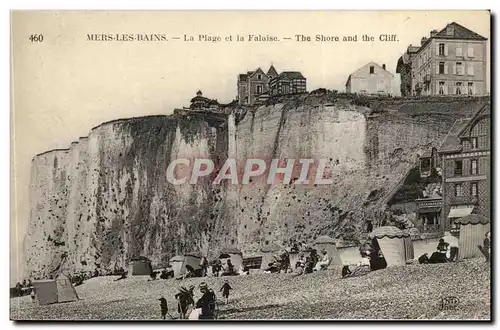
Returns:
(106,199)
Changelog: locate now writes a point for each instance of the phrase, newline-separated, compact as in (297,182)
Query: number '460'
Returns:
(36,38)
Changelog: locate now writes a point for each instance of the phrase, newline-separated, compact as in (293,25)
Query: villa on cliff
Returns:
(451,61)
(199,102)
(371,79)
(256,86)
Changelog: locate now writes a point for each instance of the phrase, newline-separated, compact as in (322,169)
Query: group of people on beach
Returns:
(206,307)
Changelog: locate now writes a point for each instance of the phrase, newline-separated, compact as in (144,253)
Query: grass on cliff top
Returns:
(404,292)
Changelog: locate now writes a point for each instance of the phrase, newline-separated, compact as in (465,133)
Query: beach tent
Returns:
(55,291)
(268,252)
(233,254)
(390,241)
(141,266)
(473,229)
(408,244)
(328,244)
(181,263)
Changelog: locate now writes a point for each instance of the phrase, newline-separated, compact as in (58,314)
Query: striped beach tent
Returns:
(473,229)
(391,243)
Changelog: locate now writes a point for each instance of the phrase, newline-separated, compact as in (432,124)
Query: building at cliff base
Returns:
(371,79)
(465,154)
(451,61)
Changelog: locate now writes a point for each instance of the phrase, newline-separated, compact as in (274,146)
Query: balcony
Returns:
(429,202)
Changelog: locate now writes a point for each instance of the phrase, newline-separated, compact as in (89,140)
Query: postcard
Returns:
(250,165)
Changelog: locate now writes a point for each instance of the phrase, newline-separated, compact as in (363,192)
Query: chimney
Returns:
(433,33)
(383,66)
(423,40)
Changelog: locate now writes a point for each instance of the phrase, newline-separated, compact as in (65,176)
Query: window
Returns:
(473,167)
(441,67)
(473,189)
(459,51)
(441,49)
(372,69)
(458,88)
(441,88)
(459,68)
(470,52)
(450,30)
(458,167)
(470,69)
(259,89)
(473,142)
(470,88)
(259,77)
(458,190)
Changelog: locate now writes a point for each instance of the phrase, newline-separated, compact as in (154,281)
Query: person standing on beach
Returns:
(164,307)
(487,246)
(225,291)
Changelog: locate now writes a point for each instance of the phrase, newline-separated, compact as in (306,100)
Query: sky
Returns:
(63,86)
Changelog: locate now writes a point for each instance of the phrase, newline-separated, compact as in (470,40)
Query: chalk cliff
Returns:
(106,199)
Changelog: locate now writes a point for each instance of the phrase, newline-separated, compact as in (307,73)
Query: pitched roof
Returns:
(292,75)
(451,141)
(348,79)
(200,98)
(459,32)
(272,71)
(483,110)
(258,70)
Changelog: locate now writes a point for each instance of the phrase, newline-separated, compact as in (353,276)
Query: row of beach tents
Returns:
(396,246)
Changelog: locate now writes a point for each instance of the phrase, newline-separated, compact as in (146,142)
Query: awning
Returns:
(460,212)
(433,209)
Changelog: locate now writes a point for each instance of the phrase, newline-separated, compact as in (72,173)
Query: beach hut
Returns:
(233,254)
(328,244)
(408,244)
(473,229)
(141,266)
(268,252)
(390,241)
(181,263)
(55,291)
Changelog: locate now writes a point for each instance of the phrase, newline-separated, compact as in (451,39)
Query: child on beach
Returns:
(225,291)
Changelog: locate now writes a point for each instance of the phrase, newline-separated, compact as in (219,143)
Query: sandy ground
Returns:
(403,292)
